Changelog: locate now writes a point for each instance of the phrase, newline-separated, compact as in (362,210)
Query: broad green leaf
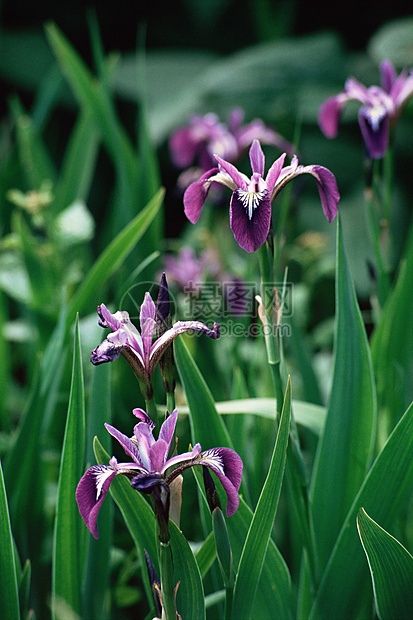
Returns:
(206,426)
(392,349)
(206,553)
(345,448)
(113,256)
(391,569)
(79,163)
(22,463)
(345,584)
(306,414)
(208,429)
(93,99)
(190,600)
(259,533)
(9,599)
(36,163)
(67,544)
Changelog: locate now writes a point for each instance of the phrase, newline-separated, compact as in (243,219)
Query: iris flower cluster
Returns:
(150,468)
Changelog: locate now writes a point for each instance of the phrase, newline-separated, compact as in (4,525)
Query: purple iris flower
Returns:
(138,348)
(206,136)
(250,206)
(381,107)
(150,467)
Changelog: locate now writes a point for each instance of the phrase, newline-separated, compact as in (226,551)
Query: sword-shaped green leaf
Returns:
(391,569)
(259,533)
(9,599)
(67,544)
(345,448)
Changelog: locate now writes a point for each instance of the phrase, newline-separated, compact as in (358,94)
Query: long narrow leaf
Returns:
(391,569)
(9,599)
(113,256)
(259,533)
(67,552)
(346,581)
(208,428)
(345,448)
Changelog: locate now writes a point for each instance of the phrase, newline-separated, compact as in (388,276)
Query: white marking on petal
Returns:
(250,200)
(101,476)
(214,457)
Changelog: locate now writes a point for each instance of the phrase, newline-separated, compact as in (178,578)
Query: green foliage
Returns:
(82,213)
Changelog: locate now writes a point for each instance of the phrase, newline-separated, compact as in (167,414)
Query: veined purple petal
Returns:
(227,465)
(107,351)
(327,188)
(274,172)
(257,158)
(158,454)
(329,115)
(143,417)
(145,440)
(239,179)
(196,194)
(250,223)
(90,493)
(183,147)
(147,321)
(160,345)
(357,91)
(127,444)
(374,125)
(167,431)
(402,91)
(388,75)
(180,459)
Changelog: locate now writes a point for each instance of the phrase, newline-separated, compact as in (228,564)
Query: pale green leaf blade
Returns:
(386,487)
(345,448)
(259,533)
(67,546)
(9,599)
(392,349)
(391,569)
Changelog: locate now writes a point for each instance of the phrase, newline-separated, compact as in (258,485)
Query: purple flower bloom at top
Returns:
(205,136)
(250,205)
(138,348)
(150,467)
(381,107)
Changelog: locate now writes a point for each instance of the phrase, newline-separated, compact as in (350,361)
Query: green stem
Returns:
(151,409)
(229,595)
(170,401)
(295,469)
(167,581)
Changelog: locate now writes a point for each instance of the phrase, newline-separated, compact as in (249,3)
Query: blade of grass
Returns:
(387,486)
(391,569)
(259,533)
(67,544)
(345,448)
(113,256)
(9,599)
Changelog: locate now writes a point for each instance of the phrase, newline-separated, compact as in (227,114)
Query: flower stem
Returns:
(151,409)
(167,581)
